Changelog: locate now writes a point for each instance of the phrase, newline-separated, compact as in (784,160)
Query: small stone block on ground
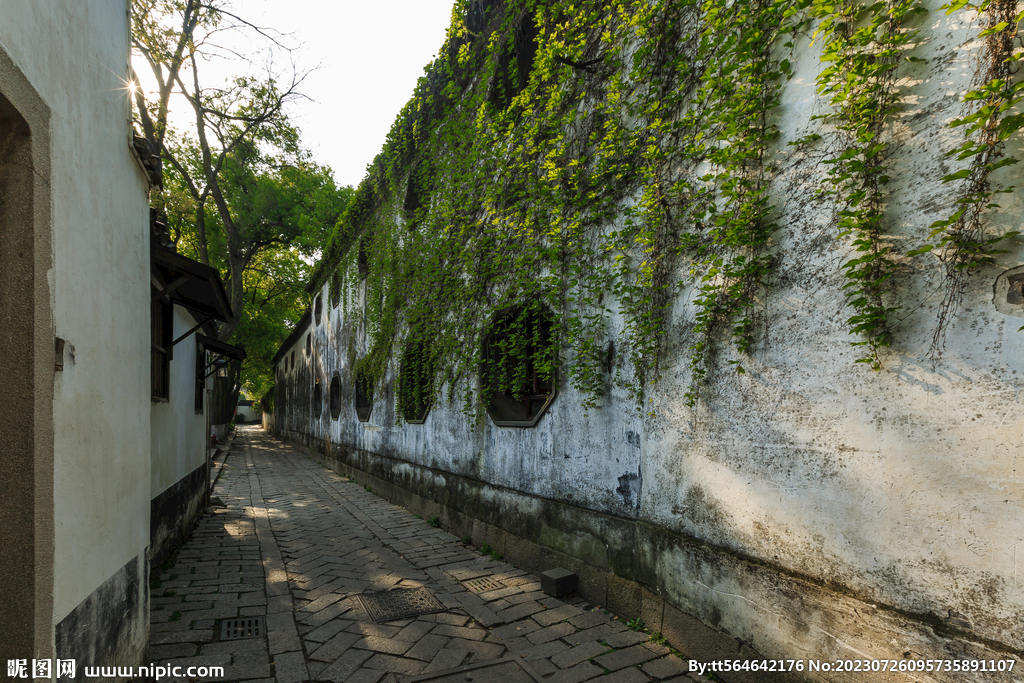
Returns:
(558,582)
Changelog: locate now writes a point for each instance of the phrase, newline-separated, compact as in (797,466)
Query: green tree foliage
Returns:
(285,212)
(241,194)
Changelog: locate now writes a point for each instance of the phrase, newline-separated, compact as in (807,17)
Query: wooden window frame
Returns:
(162,336)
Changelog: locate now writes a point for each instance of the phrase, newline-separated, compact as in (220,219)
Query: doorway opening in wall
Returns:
(364,396)
(26,437)
(519,365)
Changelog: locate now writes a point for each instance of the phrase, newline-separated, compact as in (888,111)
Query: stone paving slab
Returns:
(296,543)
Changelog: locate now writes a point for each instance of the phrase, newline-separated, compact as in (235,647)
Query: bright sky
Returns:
(369,54)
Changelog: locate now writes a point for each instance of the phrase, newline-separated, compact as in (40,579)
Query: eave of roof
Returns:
(202,291)
(236,352)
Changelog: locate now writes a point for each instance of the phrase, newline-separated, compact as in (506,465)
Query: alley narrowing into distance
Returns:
(296,543)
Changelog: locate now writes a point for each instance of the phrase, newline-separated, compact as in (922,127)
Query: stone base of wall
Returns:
(672,582)
(173,512)
(111,626)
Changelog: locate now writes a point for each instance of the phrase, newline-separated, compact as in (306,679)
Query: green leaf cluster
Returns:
(589,159)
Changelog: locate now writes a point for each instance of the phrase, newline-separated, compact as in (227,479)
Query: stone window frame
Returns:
(408,383)
(501,407)
(334,401)
(317,402)
(363,396)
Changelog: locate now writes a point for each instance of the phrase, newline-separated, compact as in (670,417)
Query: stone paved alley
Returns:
(297,542)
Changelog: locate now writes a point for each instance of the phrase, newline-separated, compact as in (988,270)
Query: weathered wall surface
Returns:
(810,507)
(73,54)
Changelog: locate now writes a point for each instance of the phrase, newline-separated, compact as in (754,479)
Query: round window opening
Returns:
(519,368)
(335,397)
(364,396)
(416,381)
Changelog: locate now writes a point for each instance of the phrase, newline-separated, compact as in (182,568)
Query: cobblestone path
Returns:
(296,543)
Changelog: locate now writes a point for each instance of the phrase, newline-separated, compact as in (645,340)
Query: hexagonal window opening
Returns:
(364,396)
(416,381)
(318,400)
(318,308)
(362,262)
(519,365)
(309,344)
(335,288)
(335,397)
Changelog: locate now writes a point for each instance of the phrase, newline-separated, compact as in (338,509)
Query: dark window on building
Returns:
(309,344)
(318,400)
(515,62)
(415,203)
(476,16)
(162,331)
(335,288)
(363,264)
(335,397)
(364,396)
(318,308)
(519,366)
(416,381)
(200,382)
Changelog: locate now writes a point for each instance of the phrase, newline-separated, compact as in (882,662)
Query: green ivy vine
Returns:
(963,244)
(863,45)
(584,160)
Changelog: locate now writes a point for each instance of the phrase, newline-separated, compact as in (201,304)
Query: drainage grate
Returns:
(485,584)
(237,629)
(399,604)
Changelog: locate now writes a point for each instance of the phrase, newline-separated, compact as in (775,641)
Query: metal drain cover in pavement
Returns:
(400,604)
(237,629)
(483,585)
(500,671)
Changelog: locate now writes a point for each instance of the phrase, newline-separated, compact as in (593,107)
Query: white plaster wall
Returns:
(178,432)
(566,456)
(247,413)
(900,488)
(76,55)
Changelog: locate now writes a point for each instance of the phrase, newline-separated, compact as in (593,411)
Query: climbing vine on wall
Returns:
(585,159)
(963,244)
(740,87)
(863,45)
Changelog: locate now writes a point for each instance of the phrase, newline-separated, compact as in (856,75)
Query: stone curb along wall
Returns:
(809,508)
